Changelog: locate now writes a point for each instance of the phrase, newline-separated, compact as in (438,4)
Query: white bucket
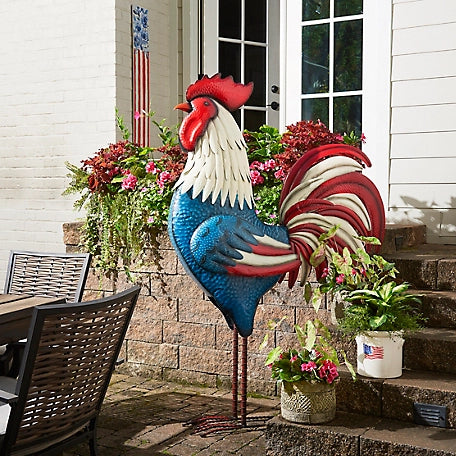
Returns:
(380,354)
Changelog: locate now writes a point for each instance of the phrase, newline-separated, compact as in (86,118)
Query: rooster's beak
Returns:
(184,107)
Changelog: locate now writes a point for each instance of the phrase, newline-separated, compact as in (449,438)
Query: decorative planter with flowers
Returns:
(307,375)
(376,309)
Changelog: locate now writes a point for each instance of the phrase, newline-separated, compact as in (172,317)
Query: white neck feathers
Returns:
(219,164)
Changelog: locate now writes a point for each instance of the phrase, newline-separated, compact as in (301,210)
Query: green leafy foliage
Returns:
(315,361)
(369,286)
(126,193)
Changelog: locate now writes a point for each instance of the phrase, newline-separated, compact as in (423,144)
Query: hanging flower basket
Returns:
(309,403)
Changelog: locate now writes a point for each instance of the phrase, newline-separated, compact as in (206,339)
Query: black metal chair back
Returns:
(48,274)
(69,358)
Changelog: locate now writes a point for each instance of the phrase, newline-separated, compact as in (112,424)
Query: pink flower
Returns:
(257,165)
(363,138)
(324,273)
(340,278)
(308,367)
(339,137)
(269,164)
(257,178)
(293,358)
(151,168)
(129,182)
(151,219)
(328,371)
(137,115)
(163,178)
(279,174)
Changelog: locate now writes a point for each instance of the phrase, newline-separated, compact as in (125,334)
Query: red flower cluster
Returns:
(104,166)
(301,137)
(172,161)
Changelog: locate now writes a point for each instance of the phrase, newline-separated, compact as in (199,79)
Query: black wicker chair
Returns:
(69,357)
(60,275)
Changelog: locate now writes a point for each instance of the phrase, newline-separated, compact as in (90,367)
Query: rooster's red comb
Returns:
(230,94)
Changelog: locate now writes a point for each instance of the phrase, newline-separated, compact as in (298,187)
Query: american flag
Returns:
(141,78)
(372,352)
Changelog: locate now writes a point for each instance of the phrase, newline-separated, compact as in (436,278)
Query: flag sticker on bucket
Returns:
(372,352)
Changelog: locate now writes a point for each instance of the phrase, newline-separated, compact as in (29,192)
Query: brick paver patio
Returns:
(143,417)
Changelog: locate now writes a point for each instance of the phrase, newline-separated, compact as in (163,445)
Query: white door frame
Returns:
(376,110)
(210,51)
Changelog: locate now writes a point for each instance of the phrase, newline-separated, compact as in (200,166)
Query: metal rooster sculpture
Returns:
(224,247)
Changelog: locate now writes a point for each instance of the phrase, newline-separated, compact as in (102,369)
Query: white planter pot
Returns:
(379,354)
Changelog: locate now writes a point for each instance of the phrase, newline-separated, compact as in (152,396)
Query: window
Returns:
(242,43)
(331,63)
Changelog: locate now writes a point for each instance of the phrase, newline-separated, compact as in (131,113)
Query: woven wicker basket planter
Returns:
(310,403)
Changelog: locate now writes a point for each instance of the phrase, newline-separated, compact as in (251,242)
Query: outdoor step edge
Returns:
(394,398)
(369,433)
(438,334)
(410,377)
(438,307)
(431,349)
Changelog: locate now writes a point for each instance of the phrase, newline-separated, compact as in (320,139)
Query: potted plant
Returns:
(376,309)
(307,374)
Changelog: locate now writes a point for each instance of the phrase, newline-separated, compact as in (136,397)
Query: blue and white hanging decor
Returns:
(141,75)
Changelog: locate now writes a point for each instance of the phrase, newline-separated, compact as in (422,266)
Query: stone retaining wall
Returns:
(177,334)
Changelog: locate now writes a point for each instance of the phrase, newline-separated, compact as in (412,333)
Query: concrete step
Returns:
(354,434)
(438,307)
(431,349)
(427,266)
(399,237)
(395,398)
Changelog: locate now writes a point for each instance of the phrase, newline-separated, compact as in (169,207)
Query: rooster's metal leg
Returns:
(219,423)
(244,382)
(234,377)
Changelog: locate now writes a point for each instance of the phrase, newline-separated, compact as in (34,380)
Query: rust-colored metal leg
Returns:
(234,377)
(244,382)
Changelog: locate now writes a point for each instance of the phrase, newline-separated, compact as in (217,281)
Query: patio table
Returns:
(16,312)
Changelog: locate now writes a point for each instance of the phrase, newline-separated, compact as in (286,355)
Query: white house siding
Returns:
(423,118)
(65,66)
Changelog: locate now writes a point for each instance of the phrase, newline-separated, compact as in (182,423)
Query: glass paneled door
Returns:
(328,37)
(241,38)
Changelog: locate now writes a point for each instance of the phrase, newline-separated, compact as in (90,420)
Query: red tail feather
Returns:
(361,196)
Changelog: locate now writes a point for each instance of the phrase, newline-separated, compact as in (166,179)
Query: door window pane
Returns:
(315,108)
(347,114)
(348,52)
(315,59)
(315,9)
(255,20)
(348,7)
(254,119)
(255,64)
(230,18)
(230,60)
